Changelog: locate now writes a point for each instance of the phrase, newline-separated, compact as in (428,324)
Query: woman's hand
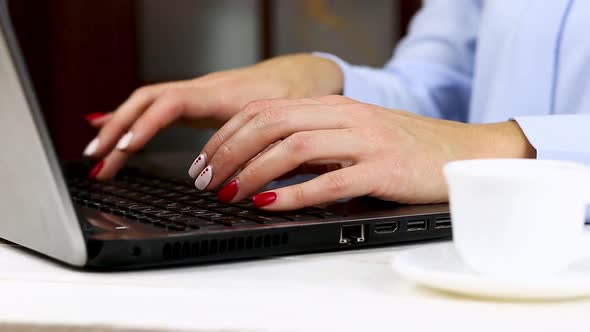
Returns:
(207,101)
(391,155)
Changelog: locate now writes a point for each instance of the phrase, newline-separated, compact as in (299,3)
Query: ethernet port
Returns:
(350,234)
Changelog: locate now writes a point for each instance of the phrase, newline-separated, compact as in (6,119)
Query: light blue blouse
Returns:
(490,61)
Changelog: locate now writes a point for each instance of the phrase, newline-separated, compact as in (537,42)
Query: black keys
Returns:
(167,214)
(140,207)
(176,205)
(229,209)
(117,212)
(214,205)
(173,206)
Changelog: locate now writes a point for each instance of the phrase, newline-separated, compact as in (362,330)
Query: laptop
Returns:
(145,219)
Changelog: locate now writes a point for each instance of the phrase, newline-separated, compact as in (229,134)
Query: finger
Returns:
(98,120)
(292,152)
(256,107)
(108,167)
(261,153)
(233,125)
(245,115)
(171,105)
(122,119)
(263,130)
(348,182)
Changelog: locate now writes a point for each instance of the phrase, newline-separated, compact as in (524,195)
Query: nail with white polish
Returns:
(197,166)
(204,178)
(91,148)
(124,141)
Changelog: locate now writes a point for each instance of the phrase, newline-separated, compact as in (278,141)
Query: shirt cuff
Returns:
(355,82)
(558,137)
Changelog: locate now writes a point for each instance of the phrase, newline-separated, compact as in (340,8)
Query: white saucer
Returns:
(440,267)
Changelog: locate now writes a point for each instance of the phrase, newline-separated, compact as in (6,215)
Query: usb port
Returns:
(441,223)
(386,227)
(416,225)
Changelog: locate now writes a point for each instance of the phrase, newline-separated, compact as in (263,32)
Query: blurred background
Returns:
(87,56)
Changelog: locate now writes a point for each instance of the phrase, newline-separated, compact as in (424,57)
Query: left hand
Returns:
(390,154)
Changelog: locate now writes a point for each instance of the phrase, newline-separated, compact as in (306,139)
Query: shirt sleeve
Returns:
(432,67)
(558,137)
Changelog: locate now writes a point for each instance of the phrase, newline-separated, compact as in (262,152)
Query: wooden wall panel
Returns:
(83,59)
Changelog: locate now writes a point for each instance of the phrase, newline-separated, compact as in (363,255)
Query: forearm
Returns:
(303,75)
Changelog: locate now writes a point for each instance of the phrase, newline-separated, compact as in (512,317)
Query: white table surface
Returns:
(342,291)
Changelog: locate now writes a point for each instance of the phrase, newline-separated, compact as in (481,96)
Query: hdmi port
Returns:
(416,225)
(441,223)
(385,227)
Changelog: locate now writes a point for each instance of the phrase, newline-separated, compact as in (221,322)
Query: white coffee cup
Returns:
(519,217)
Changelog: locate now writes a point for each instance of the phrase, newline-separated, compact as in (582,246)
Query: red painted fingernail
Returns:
(264,199)
(94,116)
(96,169)
(228,192)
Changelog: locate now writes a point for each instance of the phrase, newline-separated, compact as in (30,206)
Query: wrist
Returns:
(503,140)
(305,75)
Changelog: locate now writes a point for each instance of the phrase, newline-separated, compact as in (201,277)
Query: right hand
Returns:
(207,101)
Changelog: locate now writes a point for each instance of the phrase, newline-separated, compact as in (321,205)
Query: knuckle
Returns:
(298,143)
(142,92)
(225,149)
(335,183)
(172,102)
(268,117)
(172,96)
(218,138)
(298,195)
(255,107)
(252,172)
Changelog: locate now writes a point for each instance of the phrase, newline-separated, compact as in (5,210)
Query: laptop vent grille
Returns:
(222,246)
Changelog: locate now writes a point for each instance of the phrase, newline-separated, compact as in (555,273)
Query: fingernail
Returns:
(91,147)
(94,116)
(124,141)
(197,166)
(96,169)
(204,178)
(264,199)
(228,192)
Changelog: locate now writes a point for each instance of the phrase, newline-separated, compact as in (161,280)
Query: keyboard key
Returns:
(184,218)
(245,204)
(206,225)
(233,210)
(167,214)
(117,212)
(174,204)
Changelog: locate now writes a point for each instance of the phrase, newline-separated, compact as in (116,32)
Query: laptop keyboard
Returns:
(175,204)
